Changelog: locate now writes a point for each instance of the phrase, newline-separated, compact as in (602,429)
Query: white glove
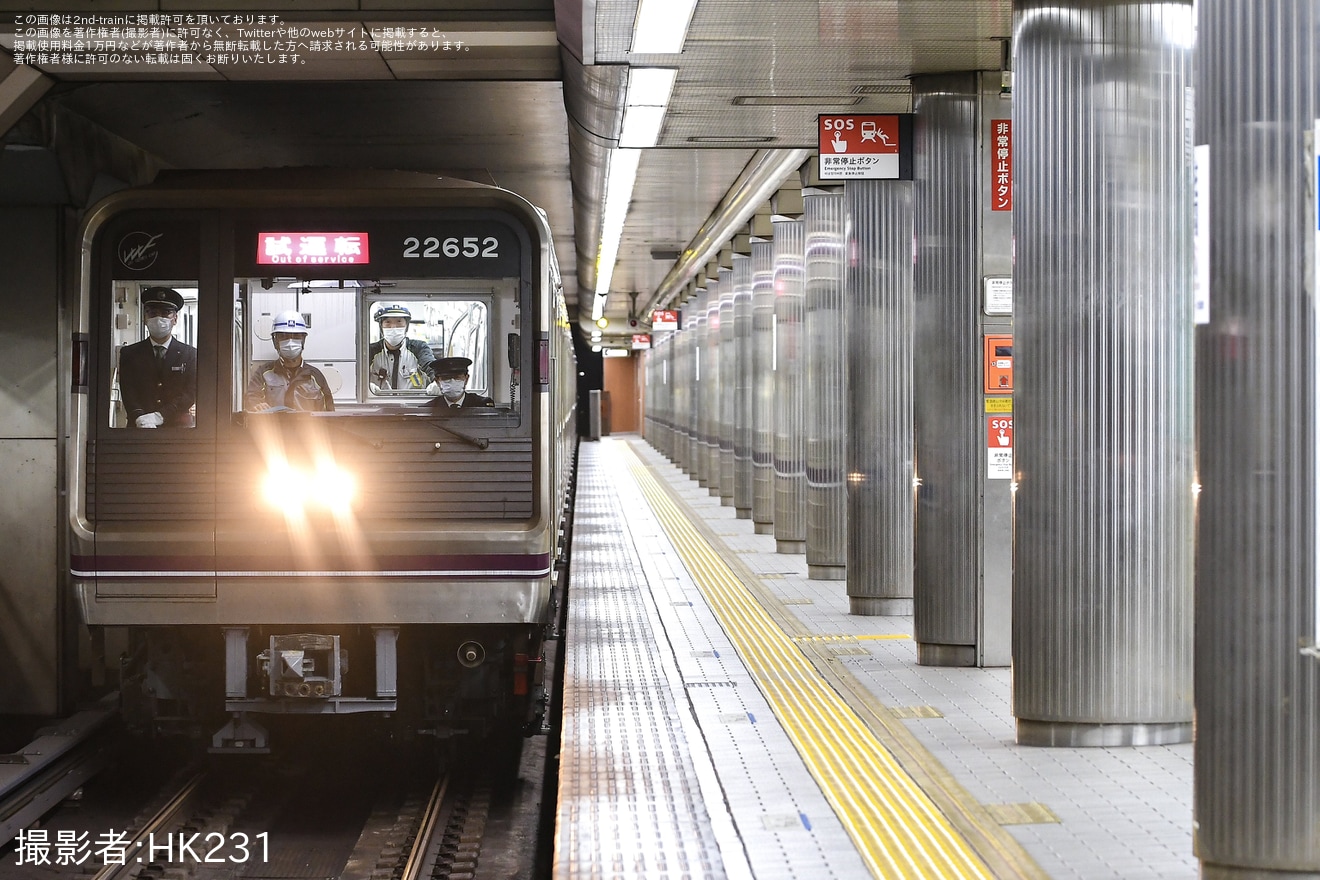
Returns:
(375,389)
(433,390)
(150,420)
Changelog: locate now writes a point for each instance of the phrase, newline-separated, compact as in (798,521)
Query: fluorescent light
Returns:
(618,196)
(796,100)
(650,86)
(649,89)
(641,126)
(648,94)
(661,26)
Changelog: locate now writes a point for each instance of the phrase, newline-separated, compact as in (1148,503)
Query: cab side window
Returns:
(411,337)
(294,344)
(153,340)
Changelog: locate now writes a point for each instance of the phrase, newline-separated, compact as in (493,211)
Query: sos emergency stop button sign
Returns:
(855,146)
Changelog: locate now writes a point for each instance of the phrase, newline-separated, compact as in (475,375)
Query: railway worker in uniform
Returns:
(451,375)
(158,375)
(398,363)
(287,383)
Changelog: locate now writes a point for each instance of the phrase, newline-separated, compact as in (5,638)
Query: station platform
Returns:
(725,716)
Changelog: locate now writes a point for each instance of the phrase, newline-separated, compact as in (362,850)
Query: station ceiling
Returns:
(529,95)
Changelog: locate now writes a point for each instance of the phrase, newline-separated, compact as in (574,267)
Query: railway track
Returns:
(340,811)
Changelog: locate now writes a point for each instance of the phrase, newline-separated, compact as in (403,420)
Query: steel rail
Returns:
(162,819)
(419,858)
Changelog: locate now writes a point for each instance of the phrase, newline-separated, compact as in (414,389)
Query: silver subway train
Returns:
(277,517)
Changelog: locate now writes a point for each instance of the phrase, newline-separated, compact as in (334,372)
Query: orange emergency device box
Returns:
(997,364)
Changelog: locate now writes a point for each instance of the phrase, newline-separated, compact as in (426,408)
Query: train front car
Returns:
(318,461)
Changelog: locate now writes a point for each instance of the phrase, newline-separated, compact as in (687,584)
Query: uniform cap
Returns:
(393,310)
(165,296)
(451,367)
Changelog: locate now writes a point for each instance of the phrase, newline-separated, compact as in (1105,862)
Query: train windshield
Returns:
(372,346)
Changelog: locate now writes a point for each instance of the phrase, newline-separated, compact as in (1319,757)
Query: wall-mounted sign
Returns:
(997,295)
(641,341)
(663,320)
(858,146)
(999,447)
(1001,165)
(1201,232)
(311,248)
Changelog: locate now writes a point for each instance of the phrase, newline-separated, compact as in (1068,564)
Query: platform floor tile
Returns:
(702,781)
(1123,813)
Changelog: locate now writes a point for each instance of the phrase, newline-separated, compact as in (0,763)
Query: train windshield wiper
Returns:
(479,442)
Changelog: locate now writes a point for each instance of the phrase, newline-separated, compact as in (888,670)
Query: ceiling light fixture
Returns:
(661,26)
(796,100)
(619,182)
(730,139)
(649,89)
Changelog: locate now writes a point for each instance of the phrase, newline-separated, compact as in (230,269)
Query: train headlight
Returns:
(291,490)
(334,489)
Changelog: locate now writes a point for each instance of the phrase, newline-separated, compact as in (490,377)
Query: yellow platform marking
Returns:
(850,638)
(898,830)
(1022,814)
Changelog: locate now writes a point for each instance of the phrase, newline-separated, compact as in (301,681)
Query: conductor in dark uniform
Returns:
(451,374)
(158,375)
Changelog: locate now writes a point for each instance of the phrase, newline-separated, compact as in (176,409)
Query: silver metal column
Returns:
(677,442)
(1257,801)
(826,395)
(689,340)
(1103,398)
(728,384)
(711,376)
(645,361)
(742,400)
(700,410)
(678,388)
(763,386)
(878,317)
(790,387)
(658,367)
(963,574)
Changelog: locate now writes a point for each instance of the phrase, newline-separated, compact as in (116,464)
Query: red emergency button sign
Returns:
(864,146)
(999,447)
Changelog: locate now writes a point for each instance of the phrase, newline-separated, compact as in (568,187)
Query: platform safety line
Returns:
(897,828)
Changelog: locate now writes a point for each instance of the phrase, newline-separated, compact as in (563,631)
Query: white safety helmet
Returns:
(290,321)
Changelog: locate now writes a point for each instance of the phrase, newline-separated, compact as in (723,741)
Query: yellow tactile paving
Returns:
(898,830)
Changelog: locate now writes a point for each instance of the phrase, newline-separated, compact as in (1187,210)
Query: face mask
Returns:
(394,336)
(452,389)
(290,349)
(159,328)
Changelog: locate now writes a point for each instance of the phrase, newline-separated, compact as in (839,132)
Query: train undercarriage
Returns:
(414,681)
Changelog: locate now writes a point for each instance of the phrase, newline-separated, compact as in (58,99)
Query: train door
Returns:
(149,429)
